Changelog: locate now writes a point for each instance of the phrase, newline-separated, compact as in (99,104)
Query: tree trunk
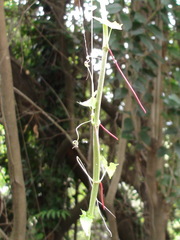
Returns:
(157,208)
(11,132)
(110,197)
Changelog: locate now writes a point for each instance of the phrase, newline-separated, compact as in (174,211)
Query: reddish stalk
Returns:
(112,135)
(129,85)
(102,195)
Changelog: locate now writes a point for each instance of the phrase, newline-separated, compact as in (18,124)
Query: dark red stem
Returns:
(129,85)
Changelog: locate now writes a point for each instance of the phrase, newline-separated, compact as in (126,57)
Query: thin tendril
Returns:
(104,220)
(84,169)
(76,142)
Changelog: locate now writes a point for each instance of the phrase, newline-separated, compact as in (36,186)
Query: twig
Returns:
(50,119)
(3,235)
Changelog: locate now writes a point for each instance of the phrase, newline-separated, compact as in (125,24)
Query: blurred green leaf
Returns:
(158,173)
(128,124)
(144,136)
(136,64)
(172,101)
(138,31)
(177,35)
(177,149)
(151,63)
(127,135)
(39,236)
(120,93)
(152,3)
(171,130)
(114,8)
(147,42)
(173,51)
(139,17)
(126,21)
(155,30)
(148,97)
(165,2)
(162,151)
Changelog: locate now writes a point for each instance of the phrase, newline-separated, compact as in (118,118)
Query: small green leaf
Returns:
(172,101)
(151,63)
(39,236)
(171,130)
(90,102)
(114,8)
(48,215)
(136,64)
(112,25)
(158,173)
(157,33)
(174,52)
(147,42)
(120,93)
(152,3)
(128,124)
(177,35)
(127,134)
(165,2)
(139,17)
(127,24)
(111,168)
(58,214)
(86,222)
(137,31)
(145,137)
(53,214)
(161,151)
(177,149)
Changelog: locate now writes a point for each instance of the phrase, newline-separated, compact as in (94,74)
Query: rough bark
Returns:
(110,197)
(11,132)
(156,206)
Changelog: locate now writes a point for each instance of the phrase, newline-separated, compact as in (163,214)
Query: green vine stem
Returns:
(96,123)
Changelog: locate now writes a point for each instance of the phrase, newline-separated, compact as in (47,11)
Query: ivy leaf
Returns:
(86,222)
(111,168)
(112,25)
(90,102)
